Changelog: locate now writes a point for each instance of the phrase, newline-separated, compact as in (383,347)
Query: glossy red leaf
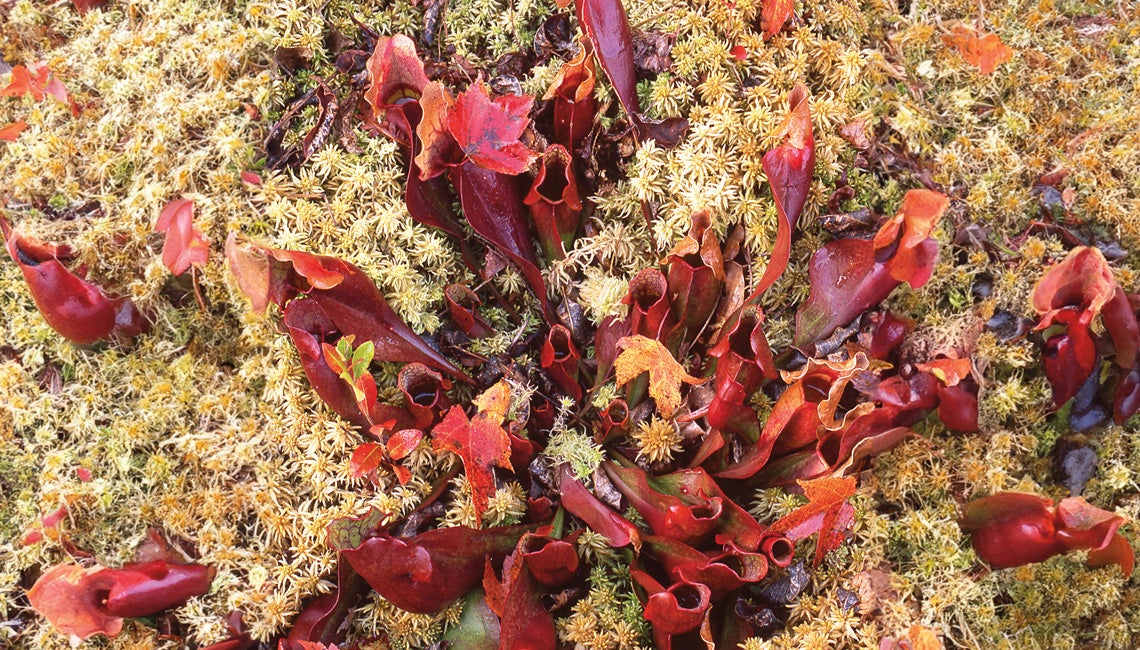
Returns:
(525,623)
(1126,400)
(744,363)
(488,130)
(83,602)
(553,562)
(723,573)
(650,314)
(38,81)
(554,202)
(889,333)
(185,245)
(1081,282)
(607,30)
(1010,529)
(1120,321)
(493,205)
(350,301)
(599,517)
(425,573)
(1070,358)
(79,310)
(575,106)
(674,610)
(462,304)
(396,73)
(366,458)
(322,620)
(849,276)
(789,169)
(560,359)
(696,274)
(690,519)
(480,441)
(425,394)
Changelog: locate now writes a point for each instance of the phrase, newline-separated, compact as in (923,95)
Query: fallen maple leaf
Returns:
(983,50)
(38,81)
(480,441)
(640,354)
(185,245)
(11,132)
(774,14)
(826,512)
(488,130)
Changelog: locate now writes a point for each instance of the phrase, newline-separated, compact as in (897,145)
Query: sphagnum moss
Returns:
(208,430)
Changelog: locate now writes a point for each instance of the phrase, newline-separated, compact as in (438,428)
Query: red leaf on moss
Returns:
(599,517)
(607,29)
(79,310)
(11,132)
(525,623)
(424,573)
(38,81)
(366,459)
(488,130)
(774,14)
(350,302)
(396,73)
(185,245)
(575,106)
(83,602)
(983,50)
(402,443)
(849,276)
(826,512)
(1010,529)
(480,441)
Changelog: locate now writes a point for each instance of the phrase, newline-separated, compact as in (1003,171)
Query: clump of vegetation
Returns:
(212,429)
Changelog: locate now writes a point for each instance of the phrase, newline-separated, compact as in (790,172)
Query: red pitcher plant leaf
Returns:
(600,518)
(83,602)
(350,301)
(723,573)
(493,205)
(560,358)
(1010,529)
(185,245)
(574,103)
(674,610)
(322,619)
(79,310)
(424,573)
(397,75)
(849,276)
(789,169)
(462,305)
(524,621)
(554,202)
(480,441)
(696,274)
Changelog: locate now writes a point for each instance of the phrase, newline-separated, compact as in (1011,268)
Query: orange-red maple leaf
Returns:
(480,441)
(185,245)
(983,50)
(488,130)
(11,132)
(62,595)
(641,354)
(774,14)
(826,512)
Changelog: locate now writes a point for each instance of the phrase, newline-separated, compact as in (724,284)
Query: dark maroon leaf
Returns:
(427,572)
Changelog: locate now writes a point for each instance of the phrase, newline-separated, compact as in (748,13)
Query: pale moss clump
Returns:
(609,616)
(657,440)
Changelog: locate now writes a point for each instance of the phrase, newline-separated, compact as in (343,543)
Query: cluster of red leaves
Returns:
(1070,296)
(37,82)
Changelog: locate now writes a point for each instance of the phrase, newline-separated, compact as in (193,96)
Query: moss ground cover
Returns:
(207,429)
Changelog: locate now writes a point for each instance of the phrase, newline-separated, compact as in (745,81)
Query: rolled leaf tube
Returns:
(425,394)
(462,304)
(690,520)
(696,274)
(145,589)
(555,203)
(575,106)
(560,358)
(553,562)
(675,610)
(79,310)
(1010,529)
(789,169)
(650,314)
